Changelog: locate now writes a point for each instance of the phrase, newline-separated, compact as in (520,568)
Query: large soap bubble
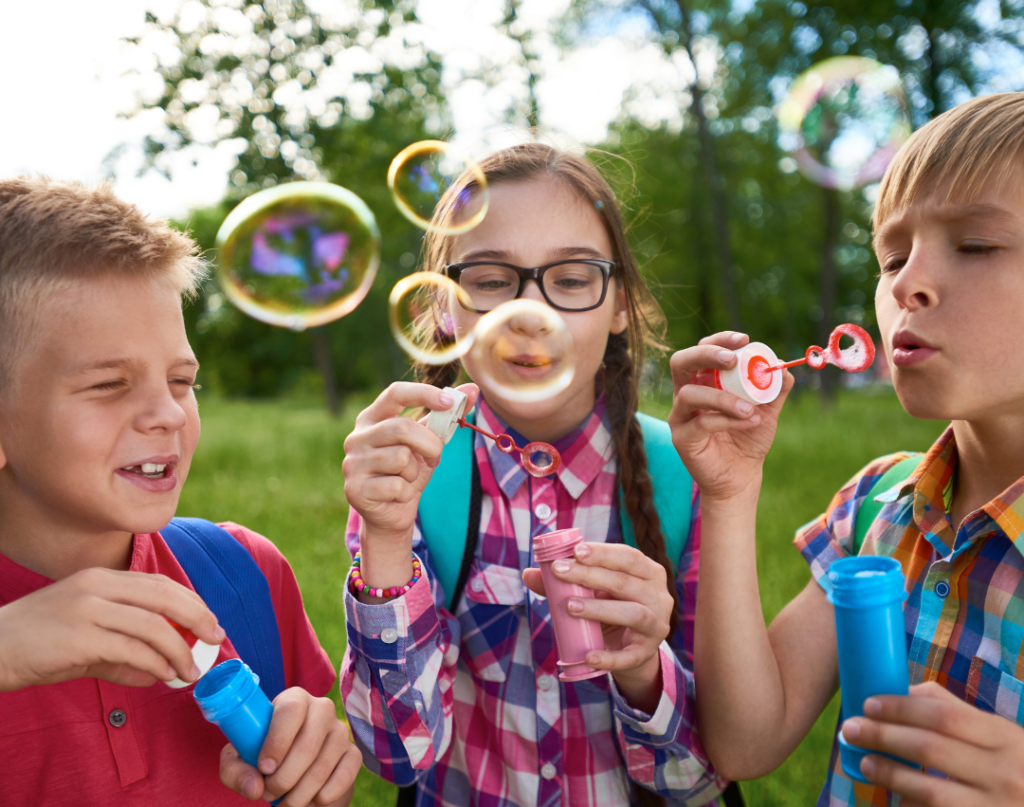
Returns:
(428,315)
(844,120)
(298,255)
(523,351)
(430,172)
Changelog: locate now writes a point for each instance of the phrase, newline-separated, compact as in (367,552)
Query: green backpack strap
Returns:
(673,489)
(444,509)
(869,508)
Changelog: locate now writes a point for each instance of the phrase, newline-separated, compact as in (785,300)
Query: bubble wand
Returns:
(444,423)
(754,379)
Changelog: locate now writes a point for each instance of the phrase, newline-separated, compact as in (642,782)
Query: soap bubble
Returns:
(844,120)
(298,255)
(523,351)
(431,172)
(428,317)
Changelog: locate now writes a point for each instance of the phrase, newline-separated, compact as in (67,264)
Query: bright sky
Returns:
(66,79)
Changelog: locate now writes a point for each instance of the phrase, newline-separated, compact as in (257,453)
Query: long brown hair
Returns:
(624,355)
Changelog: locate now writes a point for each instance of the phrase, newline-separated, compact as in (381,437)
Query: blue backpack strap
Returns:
(444,510)
(234,587)
(673,489)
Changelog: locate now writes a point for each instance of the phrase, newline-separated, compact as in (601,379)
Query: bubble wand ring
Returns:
(506,445)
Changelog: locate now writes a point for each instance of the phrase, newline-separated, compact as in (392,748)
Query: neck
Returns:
(990,458)
(46,545)
(563,418)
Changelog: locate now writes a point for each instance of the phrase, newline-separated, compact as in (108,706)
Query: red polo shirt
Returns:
(59,746)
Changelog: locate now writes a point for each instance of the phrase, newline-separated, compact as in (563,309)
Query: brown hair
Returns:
(624,355)
(53,233)
(961,150)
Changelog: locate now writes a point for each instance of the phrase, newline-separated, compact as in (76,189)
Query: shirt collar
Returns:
(586,451)
(928,483)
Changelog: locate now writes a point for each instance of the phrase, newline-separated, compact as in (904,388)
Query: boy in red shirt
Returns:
(98,424)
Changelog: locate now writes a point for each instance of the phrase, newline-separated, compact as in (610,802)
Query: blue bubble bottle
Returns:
(229,695)
(868,594)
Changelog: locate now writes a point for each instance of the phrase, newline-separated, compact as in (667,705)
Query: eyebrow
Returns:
(127,364)
(956,213)
(561,253)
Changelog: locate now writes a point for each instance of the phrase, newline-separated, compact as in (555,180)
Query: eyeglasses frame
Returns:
(454,271)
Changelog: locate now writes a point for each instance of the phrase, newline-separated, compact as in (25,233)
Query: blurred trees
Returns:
(721,218)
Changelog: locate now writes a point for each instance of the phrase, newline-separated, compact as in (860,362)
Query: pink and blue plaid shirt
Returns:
(470,707)
(965,611)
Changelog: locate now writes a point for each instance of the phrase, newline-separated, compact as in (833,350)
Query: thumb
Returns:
(533,580)
(472,393)
(238,775)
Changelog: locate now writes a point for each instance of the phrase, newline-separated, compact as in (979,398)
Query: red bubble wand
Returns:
(506,445)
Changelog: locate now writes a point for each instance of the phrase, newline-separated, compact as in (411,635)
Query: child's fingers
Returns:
(692,399)
(627,658)
(534,581)
(383,489)
(149,629)
(115,647)
(687,363)
(616,612)
(290,709)
(304,755)
(620,558)
(343,777)
(405,432)
(238,775)
(388,461)
(708,423)
(402,395)
(729,339)
(317,783)
(622,586)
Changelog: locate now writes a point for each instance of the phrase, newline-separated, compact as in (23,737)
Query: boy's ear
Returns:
(620,319)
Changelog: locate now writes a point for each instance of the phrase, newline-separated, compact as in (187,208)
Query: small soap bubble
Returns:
(428,315)
(844,120)
(437,189)
(298,255)
(524,351)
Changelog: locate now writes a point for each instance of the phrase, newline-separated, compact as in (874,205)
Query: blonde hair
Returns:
(54,233)
(961,150)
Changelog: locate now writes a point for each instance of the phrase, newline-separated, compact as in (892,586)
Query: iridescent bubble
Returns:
(844,120)
(298,255)
(523,351)
(427,312)
(437,189)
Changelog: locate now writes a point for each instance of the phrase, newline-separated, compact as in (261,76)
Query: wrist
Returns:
(731,503)
(641,686)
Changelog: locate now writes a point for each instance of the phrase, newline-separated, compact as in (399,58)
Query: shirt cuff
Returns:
(661,727)
(387,633)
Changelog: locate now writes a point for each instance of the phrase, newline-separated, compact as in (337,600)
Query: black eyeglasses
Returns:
(578,284)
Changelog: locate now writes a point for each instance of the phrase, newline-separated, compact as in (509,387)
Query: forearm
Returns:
(741,708)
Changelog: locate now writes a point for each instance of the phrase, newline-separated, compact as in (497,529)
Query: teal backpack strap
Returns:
(869,508)
(444,509)
(673,489)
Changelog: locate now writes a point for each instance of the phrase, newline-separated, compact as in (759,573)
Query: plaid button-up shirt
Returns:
(470,706)
(965,611)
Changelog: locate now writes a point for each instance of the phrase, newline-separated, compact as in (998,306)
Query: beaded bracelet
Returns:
(359,587)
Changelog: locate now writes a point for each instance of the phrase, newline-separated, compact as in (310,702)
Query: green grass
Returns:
(276,467)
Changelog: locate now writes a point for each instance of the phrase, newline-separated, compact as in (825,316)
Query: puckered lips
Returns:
(153,474)
(530,366)
(909,349)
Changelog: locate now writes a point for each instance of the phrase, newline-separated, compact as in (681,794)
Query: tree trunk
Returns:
(828,284)
(322,355)
(715,184)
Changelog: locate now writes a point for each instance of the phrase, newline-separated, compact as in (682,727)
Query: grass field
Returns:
(276,467)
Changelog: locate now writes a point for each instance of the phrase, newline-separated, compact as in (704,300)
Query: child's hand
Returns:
(633,605)
(722,439)
(979,751)
(308,755)
(389,459)
(100,623)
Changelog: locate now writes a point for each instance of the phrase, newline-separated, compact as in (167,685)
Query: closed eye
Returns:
(111,385)
(976,249)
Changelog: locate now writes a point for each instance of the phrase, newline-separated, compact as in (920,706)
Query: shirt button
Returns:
(117,718)
(546,682)
(548,771)
(389,635)
(542,511)
(942,589)
(477,585)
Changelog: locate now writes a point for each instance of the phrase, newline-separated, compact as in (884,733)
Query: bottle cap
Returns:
(750,379)
(203,654)
(444,422)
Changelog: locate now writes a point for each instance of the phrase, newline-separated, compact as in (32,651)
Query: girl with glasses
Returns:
(457,693)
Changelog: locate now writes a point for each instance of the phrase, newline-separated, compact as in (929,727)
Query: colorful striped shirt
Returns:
(470,708)
(965,610)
